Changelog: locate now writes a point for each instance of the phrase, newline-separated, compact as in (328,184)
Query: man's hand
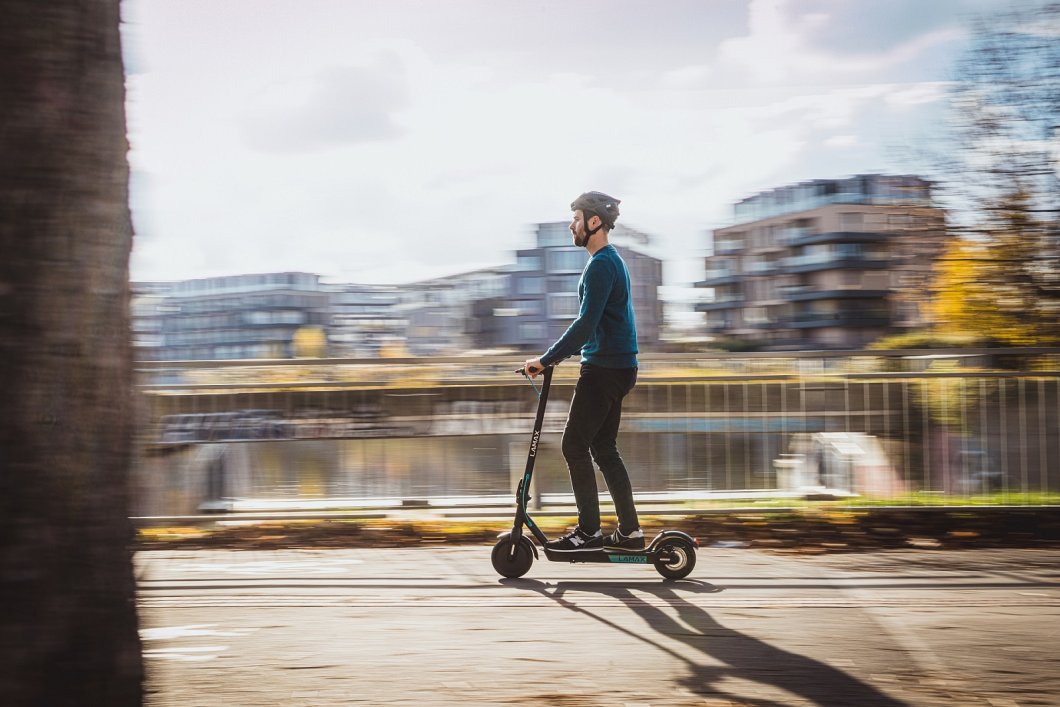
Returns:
(532,367)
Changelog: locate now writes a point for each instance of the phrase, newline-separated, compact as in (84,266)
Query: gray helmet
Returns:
(595,203)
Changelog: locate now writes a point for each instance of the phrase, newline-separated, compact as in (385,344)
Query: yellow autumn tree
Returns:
(310,342)
(969,299)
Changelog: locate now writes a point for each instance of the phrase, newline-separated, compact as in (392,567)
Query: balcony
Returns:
(715,326)
(791,236)
(722,303)
(788,292)
(719,276)
(808,237)
(765,267)
(728,247)
(767,325)
(833,261)
(808,293)
(821,320)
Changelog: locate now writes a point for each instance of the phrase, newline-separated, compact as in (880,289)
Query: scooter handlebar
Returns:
(522,372)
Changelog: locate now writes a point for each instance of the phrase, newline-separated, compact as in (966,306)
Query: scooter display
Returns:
(672,552)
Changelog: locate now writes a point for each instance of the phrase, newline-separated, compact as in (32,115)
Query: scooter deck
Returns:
(622,557)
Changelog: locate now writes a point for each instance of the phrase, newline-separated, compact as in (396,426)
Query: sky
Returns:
(386,141)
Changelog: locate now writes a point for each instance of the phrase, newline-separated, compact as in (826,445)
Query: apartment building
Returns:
(829,263)
(543,299)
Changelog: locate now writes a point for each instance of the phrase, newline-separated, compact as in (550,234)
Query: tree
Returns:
(995,290)
(68,635)
(1002,280)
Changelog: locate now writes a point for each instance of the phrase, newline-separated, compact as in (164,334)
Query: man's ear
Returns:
(590,225)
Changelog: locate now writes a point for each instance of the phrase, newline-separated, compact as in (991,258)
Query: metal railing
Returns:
(698,430)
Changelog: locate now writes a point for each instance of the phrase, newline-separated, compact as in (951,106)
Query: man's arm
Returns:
(599,279)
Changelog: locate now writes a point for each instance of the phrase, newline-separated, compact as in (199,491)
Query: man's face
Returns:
(577,228)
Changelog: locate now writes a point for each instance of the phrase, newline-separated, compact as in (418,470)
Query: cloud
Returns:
(336,106)
(385,140)
(780,46)
(917,94)
(841,141)
(776,43)
(687,76)
(856,28)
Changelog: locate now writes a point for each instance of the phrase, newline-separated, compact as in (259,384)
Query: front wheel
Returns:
(512,565)
(675,558)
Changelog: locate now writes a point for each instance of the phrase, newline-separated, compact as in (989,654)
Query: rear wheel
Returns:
(675,558)
(512,565)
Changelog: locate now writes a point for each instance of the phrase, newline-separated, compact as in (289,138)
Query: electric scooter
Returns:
(672,552)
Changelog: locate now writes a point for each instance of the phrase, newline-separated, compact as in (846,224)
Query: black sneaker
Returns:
(618,541)
(577,541)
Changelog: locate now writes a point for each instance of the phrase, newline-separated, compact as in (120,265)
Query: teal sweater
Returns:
(605,330)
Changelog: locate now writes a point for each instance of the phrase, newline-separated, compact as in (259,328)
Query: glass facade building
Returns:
(241,316)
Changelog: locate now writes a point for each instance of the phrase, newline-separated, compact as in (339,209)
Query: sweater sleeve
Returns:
(598,280)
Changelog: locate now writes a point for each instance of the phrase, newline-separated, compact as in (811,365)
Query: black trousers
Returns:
(591,435)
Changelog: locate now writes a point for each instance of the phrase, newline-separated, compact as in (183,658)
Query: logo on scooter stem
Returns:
(533,443)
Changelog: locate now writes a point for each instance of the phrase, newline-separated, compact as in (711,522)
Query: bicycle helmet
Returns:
(595,203)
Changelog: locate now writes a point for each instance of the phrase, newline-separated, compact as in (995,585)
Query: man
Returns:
(606,335)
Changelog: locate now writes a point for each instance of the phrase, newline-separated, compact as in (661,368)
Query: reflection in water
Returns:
(484,464)
(431,467)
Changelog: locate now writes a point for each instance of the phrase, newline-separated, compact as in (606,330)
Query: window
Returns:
(530,307)
(563,283)
(530,285)
(728,243)
(772,236)
(566,259)
(529,262)
(563,306)
(289,317)
(553,234)
(531,331)
(755,315)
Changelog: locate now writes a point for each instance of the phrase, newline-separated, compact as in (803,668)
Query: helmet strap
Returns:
(585,225)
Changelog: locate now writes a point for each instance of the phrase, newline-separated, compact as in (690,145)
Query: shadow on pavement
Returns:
(741,656)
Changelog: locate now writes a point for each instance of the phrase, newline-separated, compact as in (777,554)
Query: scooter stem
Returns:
(521,515)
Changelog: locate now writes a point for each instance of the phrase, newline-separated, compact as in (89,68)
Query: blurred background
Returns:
(841,223)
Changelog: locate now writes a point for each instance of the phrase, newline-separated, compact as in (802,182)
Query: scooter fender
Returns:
(507,534)
(653,545)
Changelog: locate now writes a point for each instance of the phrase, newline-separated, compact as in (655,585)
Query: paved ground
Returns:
(435,626)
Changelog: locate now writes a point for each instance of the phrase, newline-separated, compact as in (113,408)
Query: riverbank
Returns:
(823,528)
